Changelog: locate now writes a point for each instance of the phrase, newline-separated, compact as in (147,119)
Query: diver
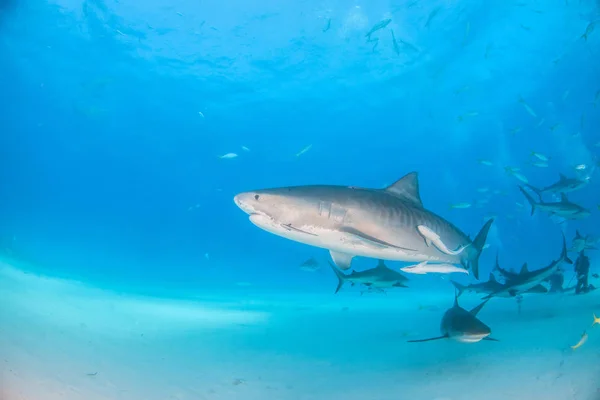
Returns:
(582,271)
(556,281)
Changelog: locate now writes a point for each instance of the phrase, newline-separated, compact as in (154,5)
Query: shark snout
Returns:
(245,202)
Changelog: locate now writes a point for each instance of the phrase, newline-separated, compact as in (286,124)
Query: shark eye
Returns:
(256,197)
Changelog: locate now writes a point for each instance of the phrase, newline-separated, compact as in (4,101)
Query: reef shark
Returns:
(388,224)
(462,325)
(379,277)
(526,280)
(581,243)
(493,286)
(563,208)
(563,185)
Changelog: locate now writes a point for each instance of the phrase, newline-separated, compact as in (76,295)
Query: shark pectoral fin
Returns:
(428,340)
(370,240)
(490,339)
(342,260)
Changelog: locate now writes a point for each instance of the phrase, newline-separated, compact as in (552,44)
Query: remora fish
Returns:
(564,208)
(424,268)
(493,286)
(564,185)
(526,280)
(379,277)
(462,325)
(376,223)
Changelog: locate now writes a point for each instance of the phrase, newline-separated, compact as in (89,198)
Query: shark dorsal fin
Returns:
(406,188)
(381,264)
(564,198)
(456,299)
(497,262)
(578,235)
(562,177)
(524,269)
(492,278)
(476,310)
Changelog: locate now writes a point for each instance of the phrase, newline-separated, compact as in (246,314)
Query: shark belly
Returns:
(350,241)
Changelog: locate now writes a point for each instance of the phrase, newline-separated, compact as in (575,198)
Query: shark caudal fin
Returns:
(535,190)
(340,275)
(563,255)
(478,244)
(459,288)
(530,199)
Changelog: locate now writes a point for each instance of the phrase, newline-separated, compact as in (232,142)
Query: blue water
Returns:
(114,117)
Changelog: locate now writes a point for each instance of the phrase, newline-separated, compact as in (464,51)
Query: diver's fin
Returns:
(365,238)
(340,275)
(342,260)
(428,340)
(407,188)
(563,255)
(490,339)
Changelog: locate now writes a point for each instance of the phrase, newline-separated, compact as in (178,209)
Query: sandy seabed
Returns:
(62,339)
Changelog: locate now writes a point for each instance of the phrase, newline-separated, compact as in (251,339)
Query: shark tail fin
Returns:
(459,288)
(478,244)
(563,255)
(535,190)
(340,275)
(530,199)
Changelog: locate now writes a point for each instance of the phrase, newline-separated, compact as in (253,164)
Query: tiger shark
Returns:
(388,224)
(462,325)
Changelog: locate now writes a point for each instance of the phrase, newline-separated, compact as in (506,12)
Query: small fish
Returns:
(410,46)
(467,30)
(581,342)
(527,107)
(462,89)
(485,246)
(485,162)
(304,150)
(327,26)
(580,167)
(395,43)
(520,177)
(200,113)
(510,169)
(554,127)
(245,148)
(461,205)
(596,321)
(540,164)
(378,26)
(228,156)
(525,27)
(207,256)
(540,156)
(520,205)
(588,30)
(432,15)
(541,122)
(469,114)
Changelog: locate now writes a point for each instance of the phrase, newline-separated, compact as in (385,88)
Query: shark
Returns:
(564,208)
(380,277)
(388,224)
(493,286)
(526,280)
(462,326)
(581,243)
(563,185)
